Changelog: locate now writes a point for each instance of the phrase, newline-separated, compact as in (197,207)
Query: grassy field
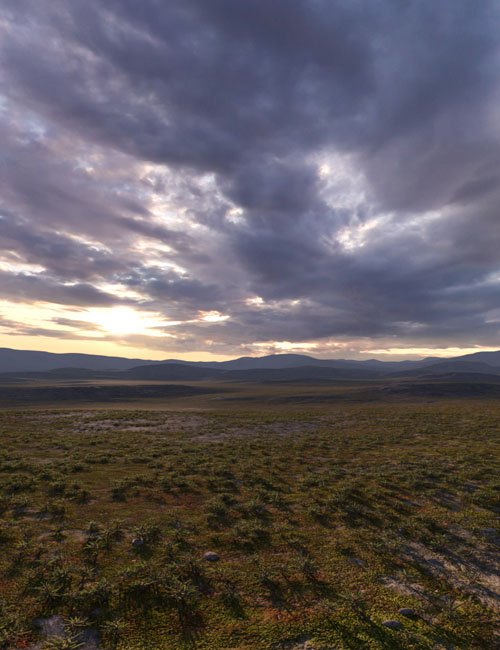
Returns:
(327,517)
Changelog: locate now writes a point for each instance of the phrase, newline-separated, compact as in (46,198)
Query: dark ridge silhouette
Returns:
(33,360)
(25,364)
(171,372)
(38,361)
(457,365)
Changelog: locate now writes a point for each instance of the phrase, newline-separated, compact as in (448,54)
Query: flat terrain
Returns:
(328,508)
(209,394)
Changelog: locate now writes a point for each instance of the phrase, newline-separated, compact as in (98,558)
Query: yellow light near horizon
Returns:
(124,320)
(428,352)
(271,347)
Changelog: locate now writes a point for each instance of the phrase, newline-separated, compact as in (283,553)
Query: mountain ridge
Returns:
(32,361)
(12,360)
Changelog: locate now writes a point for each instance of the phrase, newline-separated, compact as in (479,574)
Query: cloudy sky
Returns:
(210,178)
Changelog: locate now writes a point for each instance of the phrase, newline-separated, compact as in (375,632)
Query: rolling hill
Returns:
(34,360)
(37,361)
(27,364)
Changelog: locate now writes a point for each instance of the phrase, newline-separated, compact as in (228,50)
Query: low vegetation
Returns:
(270,530)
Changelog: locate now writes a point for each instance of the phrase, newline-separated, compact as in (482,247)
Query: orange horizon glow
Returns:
(131,332)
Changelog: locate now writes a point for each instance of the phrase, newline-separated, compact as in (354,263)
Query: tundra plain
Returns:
(277,517)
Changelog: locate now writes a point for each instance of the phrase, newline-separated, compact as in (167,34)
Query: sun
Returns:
(124,320)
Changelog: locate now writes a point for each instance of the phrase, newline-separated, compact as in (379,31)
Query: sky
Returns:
(206,179)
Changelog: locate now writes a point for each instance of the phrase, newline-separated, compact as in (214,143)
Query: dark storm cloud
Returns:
(338,159)
(23,287)
(57,253)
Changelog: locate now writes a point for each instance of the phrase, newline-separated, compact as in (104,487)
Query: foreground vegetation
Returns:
(319,527)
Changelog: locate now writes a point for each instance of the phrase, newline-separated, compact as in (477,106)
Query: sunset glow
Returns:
(322,186)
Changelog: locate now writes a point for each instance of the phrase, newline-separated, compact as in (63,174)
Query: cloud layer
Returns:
(253,172)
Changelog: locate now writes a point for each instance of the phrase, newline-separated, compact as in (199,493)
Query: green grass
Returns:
(326,523)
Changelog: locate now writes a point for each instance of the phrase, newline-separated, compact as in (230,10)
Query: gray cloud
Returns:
(340,160)
(23,287)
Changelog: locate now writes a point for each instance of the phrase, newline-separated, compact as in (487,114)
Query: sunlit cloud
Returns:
(284,346)
(331,188)
(213,316)
(124,320)
(428,352)
(20,267)
(256,301)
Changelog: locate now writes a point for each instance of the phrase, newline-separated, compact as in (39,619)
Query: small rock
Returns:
(394,625)
(211,557)
(55,628)
(137,542)
(357,561)
(89,639)
(52,626)
(408,612)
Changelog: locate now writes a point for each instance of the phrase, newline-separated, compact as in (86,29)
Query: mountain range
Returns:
(26,364)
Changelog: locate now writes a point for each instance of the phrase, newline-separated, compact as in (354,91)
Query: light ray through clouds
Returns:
(210,179)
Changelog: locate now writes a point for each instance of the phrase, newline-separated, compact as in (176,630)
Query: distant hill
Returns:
(32,360)
(37,361)
(74,365)
(278,361)
(272,361)
(178,372)
(171,372)
(491,358)
(458,365)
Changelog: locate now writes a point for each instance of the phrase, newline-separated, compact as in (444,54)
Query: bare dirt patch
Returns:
(478,574)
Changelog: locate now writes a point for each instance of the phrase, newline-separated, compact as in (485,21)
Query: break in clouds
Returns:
(242,173)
